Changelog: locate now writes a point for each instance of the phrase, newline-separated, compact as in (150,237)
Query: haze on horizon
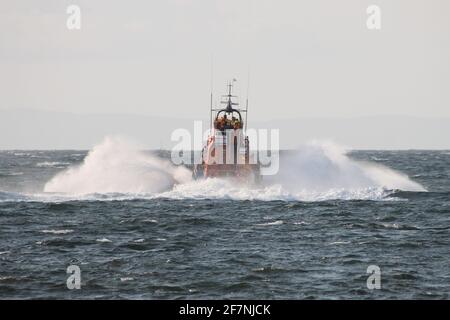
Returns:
(306,59)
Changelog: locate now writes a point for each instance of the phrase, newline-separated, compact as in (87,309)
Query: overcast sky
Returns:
(311,58)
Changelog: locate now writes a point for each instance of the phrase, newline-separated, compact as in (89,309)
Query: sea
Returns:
(331,223)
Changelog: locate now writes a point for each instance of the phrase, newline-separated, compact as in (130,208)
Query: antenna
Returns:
(211,102)
(246,103)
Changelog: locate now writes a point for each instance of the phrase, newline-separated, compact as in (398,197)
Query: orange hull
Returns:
(244,171)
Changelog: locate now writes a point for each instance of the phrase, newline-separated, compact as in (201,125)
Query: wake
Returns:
(117,169)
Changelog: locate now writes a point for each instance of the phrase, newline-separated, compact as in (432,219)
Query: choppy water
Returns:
(216,240)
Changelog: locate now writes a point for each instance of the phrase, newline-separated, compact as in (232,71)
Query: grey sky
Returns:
(307,58)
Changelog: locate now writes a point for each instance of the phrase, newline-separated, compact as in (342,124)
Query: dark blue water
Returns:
(175,247)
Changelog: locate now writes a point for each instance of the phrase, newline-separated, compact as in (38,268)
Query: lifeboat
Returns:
(227,149)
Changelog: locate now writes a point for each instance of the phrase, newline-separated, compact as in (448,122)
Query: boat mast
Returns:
(211,102)
(246,103)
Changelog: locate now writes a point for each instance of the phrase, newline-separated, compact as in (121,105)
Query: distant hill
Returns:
(34,129)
